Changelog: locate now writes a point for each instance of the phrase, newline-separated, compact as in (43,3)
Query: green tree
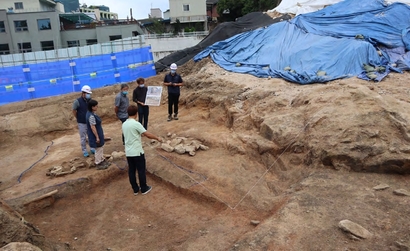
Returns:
(177,26)
(157,26)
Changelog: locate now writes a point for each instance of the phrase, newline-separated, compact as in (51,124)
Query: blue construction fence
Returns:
(31,81)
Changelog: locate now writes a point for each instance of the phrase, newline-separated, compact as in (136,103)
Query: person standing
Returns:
(80,107)
(174,82)
(121,105)
(138,96)
(96,134)
(134,151)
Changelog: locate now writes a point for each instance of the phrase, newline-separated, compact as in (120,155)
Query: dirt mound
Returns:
(16,229)
(295,159)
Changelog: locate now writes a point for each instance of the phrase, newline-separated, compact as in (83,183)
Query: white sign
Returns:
(153,97)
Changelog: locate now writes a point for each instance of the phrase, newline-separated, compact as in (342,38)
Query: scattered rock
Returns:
(16,246)
(355,229)
(401,192)
(179,149)
(167,147)
(175,142)
(381,187)
(401,246)
(60,170)
(79,165)
(75,159)
(90,163)
(169,134)
(189,148)
(255,222)
(203,147)
(117,155)
(192,153)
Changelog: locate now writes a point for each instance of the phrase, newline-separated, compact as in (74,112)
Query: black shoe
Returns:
(176,116)
(103,165)
(169,118)
(148,190)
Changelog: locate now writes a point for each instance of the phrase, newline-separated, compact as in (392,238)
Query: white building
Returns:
(101,12)
(40,25)
(19,6)
(156,13)
(188,12)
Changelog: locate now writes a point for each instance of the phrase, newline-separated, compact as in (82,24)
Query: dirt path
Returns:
(109,216)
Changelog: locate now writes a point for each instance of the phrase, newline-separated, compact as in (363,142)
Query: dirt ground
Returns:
(286,164)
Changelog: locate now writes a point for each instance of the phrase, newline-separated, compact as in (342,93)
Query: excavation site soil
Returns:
(282,167)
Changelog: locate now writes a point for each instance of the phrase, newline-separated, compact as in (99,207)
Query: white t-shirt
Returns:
(132,131)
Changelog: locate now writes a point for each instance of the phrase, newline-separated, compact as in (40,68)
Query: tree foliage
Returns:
(229,10)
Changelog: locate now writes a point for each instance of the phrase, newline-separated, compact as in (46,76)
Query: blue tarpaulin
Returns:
(332,43)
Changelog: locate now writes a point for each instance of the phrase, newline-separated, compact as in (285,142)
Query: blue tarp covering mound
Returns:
(333,43)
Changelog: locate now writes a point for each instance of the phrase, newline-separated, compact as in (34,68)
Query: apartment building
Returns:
(188,13)
(101,12)
(40,25)
(29,25)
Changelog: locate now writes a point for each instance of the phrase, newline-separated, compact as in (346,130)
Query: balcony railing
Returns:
(190,19)
(98,24)
(180,34)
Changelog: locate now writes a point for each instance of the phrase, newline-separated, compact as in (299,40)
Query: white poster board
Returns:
(153,97)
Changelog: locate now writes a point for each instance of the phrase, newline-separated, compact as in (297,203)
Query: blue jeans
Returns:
(143,112)
(135,164)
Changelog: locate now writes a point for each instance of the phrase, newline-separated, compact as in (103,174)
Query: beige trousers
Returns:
(99,155)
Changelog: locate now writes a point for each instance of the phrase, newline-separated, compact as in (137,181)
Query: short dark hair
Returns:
(91,104)
(140,80)
(123,86)
(132,110)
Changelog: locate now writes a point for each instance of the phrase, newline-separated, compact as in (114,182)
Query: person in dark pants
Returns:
(134,152)
(138,96)
(173,81)
(121,105)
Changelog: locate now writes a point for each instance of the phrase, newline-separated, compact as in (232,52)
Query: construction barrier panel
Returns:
(39,80)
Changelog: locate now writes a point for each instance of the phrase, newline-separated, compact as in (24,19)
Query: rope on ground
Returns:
(45,154)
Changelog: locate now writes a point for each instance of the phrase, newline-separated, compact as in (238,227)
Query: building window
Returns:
(112,38)
(44,24)
(91,41)
(21,25)
(47,45)
(135,33)
(4,49)
(18,5)
(74,43)
(186,7)
(24,47)
(2,27)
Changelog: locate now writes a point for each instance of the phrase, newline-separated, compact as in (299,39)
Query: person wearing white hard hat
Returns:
(173,81)
(79,111)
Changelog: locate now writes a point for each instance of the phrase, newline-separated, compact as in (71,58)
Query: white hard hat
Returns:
(173,66)
(86,89)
